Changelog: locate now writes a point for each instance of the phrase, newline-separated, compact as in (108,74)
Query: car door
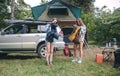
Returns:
(10,38)
(31,37)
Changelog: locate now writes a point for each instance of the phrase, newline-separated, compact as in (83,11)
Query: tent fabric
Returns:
(55,4)
(45,16)
(76,11)
(38,10)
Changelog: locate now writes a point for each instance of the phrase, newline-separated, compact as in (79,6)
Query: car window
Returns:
(41,28)
(67,31)
(15,29)
(23,28)
(32,29)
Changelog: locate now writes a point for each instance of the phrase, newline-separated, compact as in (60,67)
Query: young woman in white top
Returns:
(82,33)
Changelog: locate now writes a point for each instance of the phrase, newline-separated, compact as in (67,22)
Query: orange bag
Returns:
(74,33)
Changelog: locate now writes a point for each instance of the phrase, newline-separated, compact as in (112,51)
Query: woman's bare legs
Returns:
(48,53)
(51,52)
(74,51)
(80,51)
(75,48)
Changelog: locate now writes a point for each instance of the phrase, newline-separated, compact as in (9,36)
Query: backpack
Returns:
(67,51)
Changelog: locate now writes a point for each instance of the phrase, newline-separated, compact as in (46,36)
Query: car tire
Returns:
(42,51)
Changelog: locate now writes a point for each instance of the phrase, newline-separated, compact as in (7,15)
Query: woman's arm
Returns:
(48,27)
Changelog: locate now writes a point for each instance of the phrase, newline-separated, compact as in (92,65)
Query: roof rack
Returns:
(25,21)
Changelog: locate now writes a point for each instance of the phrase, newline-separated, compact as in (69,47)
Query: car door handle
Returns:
(18,36)
(36,35)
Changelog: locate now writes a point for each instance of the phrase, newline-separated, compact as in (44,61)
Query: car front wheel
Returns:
(42,51)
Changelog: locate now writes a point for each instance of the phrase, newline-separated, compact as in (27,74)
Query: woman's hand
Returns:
(74,25)
(61,33)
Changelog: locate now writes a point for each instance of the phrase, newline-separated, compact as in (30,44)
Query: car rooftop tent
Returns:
(65,13)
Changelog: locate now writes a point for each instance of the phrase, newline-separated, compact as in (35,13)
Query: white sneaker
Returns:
(74,60)
(79,61)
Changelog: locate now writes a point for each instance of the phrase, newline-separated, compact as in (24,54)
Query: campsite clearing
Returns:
(30,65)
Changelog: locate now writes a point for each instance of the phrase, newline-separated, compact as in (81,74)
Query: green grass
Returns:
(96,43)
(30,65)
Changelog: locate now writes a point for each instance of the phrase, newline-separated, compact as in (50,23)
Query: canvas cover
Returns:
(58,9)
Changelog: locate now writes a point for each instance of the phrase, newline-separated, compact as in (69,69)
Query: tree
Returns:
(3,12)
(22,10)
(107,26)
(86,5)
(19,10)
(12,9)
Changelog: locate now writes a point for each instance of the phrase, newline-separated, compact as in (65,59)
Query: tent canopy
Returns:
(56,8)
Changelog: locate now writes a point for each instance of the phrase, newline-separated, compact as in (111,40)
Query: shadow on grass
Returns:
(14,57)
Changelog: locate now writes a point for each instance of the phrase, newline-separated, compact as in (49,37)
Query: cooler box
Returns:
(99,58)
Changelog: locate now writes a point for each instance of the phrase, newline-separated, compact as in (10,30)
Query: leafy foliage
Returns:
(22,11)
(86,5)
(107,26)
(3,14)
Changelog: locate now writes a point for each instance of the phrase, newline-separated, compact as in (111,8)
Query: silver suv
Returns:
(26,36)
